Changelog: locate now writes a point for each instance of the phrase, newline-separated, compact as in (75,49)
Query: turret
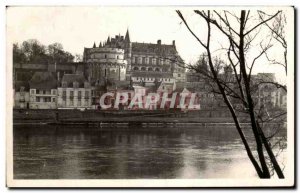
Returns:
(128,47)
(127,38)
(94,46)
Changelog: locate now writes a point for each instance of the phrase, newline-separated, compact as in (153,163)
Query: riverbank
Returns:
(112,118)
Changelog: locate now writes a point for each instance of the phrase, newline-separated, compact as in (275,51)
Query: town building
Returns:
(21,95)
(43,91)
(74,91)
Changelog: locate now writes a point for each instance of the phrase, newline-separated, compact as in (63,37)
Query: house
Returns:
(21,95)
(74,91)
(43,91)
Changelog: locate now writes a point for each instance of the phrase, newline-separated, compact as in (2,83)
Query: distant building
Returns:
(74,91)
(21,95)
(43,91)
(142,61)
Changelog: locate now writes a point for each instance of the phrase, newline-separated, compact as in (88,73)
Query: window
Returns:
(64,84)
(150,69)
(71,102)
(143,68)
(79,102)
(48,99)
(157,69)
(117,57)
(135,68)
(87,94)
(71,94)
(53,99)
(143,60)
(75,84)
(179,75)
(37,99)
(54,92)
(79,94)
(32,91)
(105,56)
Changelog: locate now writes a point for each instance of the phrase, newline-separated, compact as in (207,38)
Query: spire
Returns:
(94,46)
(108,40)
(127,38)
(100,45)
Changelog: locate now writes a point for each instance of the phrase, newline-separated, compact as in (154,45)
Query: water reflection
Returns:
(50,152)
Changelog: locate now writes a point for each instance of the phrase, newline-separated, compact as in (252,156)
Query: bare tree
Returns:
(241,32)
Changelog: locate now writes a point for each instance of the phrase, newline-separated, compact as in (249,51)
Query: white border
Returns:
(289,181)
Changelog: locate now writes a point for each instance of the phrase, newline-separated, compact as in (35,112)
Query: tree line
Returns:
(32,51)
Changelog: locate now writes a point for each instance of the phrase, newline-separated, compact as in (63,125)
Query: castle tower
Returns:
(106,63)
(127,46)
(128,52)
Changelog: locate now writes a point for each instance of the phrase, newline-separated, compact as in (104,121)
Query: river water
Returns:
(53,152)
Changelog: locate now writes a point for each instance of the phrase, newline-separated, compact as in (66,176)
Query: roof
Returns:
(70,78)
(158,49)
(152,74)
(43,80)
(119,85)
(19,84)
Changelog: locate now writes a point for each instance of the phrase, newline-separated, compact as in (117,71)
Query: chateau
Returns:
(120,65)
(119,59)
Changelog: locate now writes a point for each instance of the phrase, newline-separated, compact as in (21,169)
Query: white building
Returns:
(43,92)
(74,91)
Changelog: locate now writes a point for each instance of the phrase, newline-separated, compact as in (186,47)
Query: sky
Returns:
(79,27)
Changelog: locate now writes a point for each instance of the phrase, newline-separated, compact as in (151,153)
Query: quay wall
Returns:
(55,115)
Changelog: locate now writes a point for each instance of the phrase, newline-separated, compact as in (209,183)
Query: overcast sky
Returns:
(79,27)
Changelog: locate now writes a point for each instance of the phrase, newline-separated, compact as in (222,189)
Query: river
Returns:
(55,152)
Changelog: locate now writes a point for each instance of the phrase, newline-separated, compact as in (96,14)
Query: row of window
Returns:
(75,84)
(145,69)
(79,94)
(79,103)
(149,60)
(105,56)
(152,79)
(48,92)
(44,99)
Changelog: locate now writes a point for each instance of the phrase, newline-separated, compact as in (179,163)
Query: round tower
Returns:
(107,63)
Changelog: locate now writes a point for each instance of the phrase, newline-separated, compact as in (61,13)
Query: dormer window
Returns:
(64,84)
(86,84)
(75,84)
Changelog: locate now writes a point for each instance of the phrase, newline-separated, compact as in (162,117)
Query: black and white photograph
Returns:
(150,96)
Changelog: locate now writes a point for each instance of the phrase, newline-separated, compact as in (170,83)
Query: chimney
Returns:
(159,42)
(173,43)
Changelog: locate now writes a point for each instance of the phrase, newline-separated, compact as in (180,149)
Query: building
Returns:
(74,91)
(43,91)
(21,95)
(143,62)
